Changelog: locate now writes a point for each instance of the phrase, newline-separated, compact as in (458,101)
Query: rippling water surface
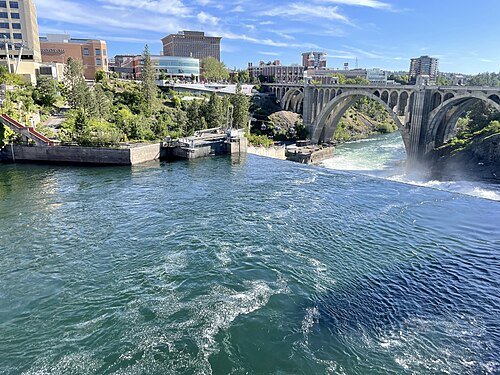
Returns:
(384,156)
(251,266)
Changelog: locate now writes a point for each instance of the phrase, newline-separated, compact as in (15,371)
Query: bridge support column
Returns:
(308,108)
(421,108)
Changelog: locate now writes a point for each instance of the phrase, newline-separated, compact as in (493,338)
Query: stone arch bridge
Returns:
(426,116)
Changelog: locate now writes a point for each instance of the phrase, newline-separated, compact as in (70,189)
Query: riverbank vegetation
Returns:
(110,111)
(480,122)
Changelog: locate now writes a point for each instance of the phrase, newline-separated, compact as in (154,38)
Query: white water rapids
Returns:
(384,157)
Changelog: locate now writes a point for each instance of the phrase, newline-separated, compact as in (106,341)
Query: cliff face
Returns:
(480,159)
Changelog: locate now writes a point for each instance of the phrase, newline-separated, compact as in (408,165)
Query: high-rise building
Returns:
(192,44)
(20,47)
(424,66)
(57,48)
(314,60)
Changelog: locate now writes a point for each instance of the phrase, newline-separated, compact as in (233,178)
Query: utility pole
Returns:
(21,48)
(8,53)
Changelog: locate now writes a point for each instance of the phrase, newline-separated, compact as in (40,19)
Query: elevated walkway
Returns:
(25,131)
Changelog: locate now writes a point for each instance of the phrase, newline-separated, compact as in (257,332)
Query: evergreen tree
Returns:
(149,88)
(193,112)
(214,112)
(76,86)
(241,106)
(100,107)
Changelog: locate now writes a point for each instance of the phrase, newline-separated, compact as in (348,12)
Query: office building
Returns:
(58,48)
(126,66)
(425,67)
(377,76)
(314,60)
(20,47)
(174,67)
(275,72)
(193,44)
(166,67)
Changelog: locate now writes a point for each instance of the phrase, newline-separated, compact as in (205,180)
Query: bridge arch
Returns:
(325,125)
(402,103)
(292,99)
(444,118)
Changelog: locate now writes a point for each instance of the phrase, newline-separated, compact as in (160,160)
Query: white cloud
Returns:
(206,18)
(173,7)
(238,9)
(102,19)
(268,53)
(302,10)
(363,3)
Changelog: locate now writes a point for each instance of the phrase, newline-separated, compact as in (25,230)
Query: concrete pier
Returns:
(125,155)
(205,143)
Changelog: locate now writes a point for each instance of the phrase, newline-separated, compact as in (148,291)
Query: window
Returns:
(3,4)
(85,51)
(4,35)
(104,52)
(18,36)
(15,16)
(4,25)
(14,4)
(4,15)
(97,52)
(98,61)
(16,26)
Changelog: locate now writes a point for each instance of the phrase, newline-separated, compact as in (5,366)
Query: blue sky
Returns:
(464,35)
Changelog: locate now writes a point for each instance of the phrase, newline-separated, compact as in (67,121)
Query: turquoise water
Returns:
(384,156)
(243,266)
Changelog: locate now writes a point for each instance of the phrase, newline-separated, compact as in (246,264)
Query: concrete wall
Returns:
(81,155)
(312,157)
(275,152)
(145,153)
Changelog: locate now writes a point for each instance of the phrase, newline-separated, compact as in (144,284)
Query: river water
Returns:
(243,266)
(383,156)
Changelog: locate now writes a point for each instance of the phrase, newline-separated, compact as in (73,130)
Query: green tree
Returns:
(484,79)
(241,106)
(443,81)
(357,81)
(100,76)
(2,135)
(76,86)
(244,76)
(341,78)
(214,113)
(194,115)
(100,103)
(149,87)
(46,92)
(213,70)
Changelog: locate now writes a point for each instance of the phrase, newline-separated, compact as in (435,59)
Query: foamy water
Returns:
(384,157)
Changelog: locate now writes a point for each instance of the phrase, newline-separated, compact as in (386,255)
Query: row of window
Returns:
(86,52)
(13,4)
(14,16)
(17,36)
(5,25)
(98,61)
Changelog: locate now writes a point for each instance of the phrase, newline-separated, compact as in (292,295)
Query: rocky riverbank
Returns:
(479,159)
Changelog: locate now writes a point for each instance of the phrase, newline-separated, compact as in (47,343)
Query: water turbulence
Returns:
(254,266)
(384,156)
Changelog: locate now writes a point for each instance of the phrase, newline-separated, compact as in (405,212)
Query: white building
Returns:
(377,76)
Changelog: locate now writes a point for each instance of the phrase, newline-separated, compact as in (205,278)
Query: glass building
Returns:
(176,67)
